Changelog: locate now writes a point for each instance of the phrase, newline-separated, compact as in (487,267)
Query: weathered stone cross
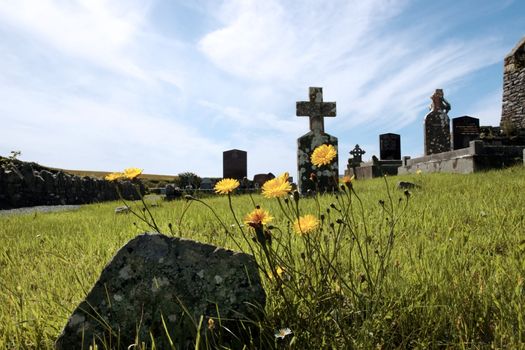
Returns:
(357,152)
(316,109)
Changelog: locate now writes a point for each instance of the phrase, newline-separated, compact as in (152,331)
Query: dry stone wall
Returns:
(24,184)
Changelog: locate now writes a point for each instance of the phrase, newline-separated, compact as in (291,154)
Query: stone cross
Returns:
(357,153)
(316,109)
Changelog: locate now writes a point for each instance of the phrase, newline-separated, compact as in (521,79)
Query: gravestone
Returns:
(355,161)
(234,164)
(260,179)
(155,285)
(357,155)
(464,130)
(390,146)
(327,175)
(437,125)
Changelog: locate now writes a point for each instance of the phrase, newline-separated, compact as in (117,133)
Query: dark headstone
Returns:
(437,125)
(156,285)
(390,146)
(260,179)
(327,175)
(234,164)
(464,130)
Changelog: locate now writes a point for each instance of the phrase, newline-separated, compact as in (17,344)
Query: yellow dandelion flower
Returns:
(114,176)
(258,216)
(278,187)
(305,224)
(323,155)
(280,271)
(131,173)
(226,186)
(347,179)
(418,171)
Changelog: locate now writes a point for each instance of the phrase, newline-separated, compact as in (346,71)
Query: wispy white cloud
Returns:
(347,47)
(97,31)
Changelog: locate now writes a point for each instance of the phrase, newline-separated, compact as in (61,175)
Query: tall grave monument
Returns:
(437,125)
(327,175)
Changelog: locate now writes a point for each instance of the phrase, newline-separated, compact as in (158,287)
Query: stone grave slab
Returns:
(157,284)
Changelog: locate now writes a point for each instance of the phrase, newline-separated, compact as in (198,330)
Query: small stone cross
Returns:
(316,109)
(357,153)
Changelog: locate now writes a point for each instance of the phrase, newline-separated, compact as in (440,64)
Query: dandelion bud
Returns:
(343,188)
(332,205)
(339,221)
(211,324)
(322,217)
(170,226)
(328,210)
(407,193)
(257,207)
(332,225)
(303,256)
(362,278)
(381,202)
(286,200)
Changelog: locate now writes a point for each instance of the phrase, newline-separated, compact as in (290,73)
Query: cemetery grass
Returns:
(454,277)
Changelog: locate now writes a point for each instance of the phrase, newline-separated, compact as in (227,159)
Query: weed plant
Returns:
(441,267)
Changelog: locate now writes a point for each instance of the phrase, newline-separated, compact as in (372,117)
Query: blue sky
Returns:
(169,85)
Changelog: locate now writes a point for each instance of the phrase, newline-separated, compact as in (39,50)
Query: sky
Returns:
(168,85)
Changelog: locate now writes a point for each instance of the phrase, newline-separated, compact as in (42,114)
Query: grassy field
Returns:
(441,268)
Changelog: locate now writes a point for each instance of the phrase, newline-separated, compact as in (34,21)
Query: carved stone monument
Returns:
(234,164)
(464,130)
(437,125)
(355,161)
(327,175)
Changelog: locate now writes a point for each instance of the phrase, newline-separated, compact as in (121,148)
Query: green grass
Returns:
(454,279)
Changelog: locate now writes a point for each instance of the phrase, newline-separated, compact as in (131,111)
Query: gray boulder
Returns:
(155,279)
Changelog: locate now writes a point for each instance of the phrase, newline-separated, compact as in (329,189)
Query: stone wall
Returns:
(513,108)
(25,184)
